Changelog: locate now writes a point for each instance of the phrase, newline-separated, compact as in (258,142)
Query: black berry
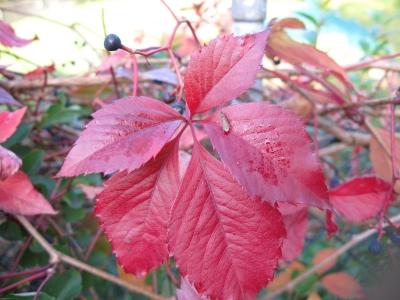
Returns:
(112,42)
(179,107)
(395,238)
(375,247)
(168,98)
(276,60)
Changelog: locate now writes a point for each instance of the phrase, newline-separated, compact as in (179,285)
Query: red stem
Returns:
(36,276)
(49,275)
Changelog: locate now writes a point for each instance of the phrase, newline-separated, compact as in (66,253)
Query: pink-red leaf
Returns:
(17,196)
(381,162)
(343,285)
(9,122)
(295,219)
(268,151)
(188,292)
(112,60)
(227,243)
(6,98)
(9,163)
(134,211)
(123,136)
(288,23)
(360,199)
(297,53)
(8,37)
(223,69)
(40,72)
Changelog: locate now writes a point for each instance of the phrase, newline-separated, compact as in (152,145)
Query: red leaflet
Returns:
(268,151)
(343,285)
(9,122)
(17,196)
(6,98)
(188,292)
(40,71)
(134,211)
(9,163)
(9,39)
(360,199)
(223,69)
(123,136)
(225,242)
(90,191)
(111,60)
(295,219)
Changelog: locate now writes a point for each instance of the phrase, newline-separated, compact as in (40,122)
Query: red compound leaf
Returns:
(223,69)
(123,136)
(360,199)
(295,219)
(134,211)
(9,163)
(9,39)
(225,242)
(267,149)
(17,196)
(9,122)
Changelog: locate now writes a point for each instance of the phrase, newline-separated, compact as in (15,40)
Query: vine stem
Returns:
(56,257)
(357,238)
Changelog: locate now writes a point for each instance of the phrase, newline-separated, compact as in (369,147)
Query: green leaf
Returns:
(74,198)
(22,150)
(44,184)
(11,231)
(58,113)
(305,286)
(97,258)
(28,296)
(65,286)
(19,135)
(31,162)
(71,214)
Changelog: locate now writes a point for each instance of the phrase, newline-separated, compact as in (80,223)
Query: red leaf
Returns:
(297,53)
(288,23)
(123,136)
(9,122)
(134,211)
(360,199)
(90,191)
(188,292)
(6,98)
(381,162)
(113,59)
(225,242)
(268,151)
(17,196)
(222,70)
(343,285)
(9,39)
(322,255)
(40,71)
(9,163)
(295,219)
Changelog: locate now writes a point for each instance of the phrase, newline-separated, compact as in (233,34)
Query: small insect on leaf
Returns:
(225,123)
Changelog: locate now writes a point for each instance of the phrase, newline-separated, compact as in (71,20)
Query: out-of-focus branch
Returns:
(56,256)
(347,137)
(357,238)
